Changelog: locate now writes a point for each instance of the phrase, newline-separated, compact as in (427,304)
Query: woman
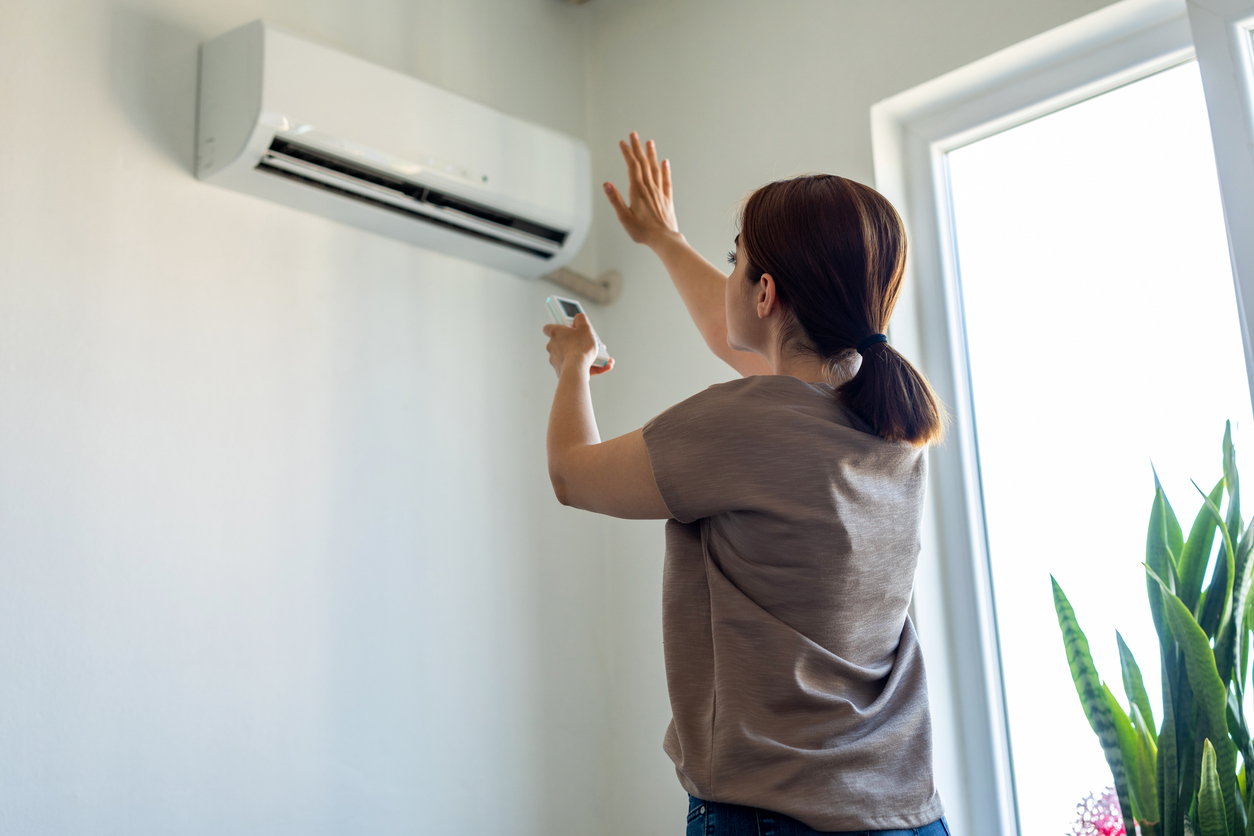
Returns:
(793,498)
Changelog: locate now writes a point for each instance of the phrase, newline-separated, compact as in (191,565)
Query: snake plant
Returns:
(1193,773)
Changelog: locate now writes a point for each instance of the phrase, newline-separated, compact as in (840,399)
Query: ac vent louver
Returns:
(385,190)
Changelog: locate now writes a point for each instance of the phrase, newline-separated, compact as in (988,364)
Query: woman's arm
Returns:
(702,286)
(650,220)
(612,477)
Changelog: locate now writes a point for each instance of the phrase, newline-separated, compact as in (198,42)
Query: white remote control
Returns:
(564,312)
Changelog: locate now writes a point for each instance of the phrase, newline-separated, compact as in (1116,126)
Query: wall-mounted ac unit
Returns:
(313,128)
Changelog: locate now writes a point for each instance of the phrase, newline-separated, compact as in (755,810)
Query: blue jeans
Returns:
(714,818)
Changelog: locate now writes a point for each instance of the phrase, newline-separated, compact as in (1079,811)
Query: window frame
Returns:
(912,133)
(1223,31)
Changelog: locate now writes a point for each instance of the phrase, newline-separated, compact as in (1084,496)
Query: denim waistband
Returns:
(715,818)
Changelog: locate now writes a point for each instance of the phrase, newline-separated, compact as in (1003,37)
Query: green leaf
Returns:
(1142,727)
(1237,728)
(1189,734)
(1238,804)
(1249,624)
(1215,606)
(1134,686)
(1208,691)
(1168,767)
(1196,552)
(1127,749)
(1175,539)
(1176,766)
(1093,698)
(1233,483)
(1240,734)
(1218,607)
(1161,561)
(1211,818)
(1234,630)
(1143,779)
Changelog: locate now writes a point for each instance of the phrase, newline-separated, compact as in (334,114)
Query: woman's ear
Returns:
(767,300)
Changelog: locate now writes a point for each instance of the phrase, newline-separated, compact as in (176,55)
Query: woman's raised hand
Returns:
(651,215)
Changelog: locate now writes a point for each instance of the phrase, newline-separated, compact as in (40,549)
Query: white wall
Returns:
(738,93)
(277,548)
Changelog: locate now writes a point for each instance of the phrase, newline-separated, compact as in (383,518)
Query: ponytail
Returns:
(837,252)
(893,397)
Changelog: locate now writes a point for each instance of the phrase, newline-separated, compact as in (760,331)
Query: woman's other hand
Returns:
(574,345)
(651,215)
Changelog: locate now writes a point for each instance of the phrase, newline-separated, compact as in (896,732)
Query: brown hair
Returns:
(837,252)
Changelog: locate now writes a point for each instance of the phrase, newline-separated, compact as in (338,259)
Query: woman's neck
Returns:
(809,367)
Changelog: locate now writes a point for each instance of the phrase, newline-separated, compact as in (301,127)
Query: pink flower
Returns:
(1099,816)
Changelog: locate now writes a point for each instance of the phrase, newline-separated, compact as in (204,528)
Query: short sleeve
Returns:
(707,454)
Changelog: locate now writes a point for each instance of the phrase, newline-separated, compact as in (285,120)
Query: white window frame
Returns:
(912,133)
(1223,31)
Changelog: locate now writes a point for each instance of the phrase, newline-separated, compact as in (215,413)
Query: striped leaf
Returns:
(1134,686)
(1211,818)
(1233,521)
(1249,813)
(1093,698)
(1209,693)
(1232,634)
(1168,767)
(1218,607)
(1161,561)
(1189,734)
(1196,552)
(1175,538)
(1143,779)
(1215,605)
(1237,729)
(1242,821)
(1127,749)
(1243,644)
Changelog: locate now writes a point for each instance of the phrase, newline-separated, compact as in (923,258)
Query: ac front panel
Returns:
(494,189)
(528,167)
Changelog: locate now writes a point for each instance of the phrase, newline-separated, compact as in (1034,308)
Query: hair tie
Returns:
(867,342)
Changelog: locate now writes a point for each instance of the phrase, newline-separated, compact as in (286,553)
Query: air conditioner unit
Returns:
(307,126)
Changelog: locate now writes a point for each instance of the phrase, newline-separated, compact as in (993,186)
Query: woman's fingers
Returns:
(648,161)
(642,163)
(642,159)
(634,174)
(655,169)
(569,343)
(649,191)
(595,370)
(616,200)
(636,147)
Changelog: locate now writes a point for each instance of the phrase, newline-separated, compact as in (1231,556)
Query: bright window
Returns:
(1102,334)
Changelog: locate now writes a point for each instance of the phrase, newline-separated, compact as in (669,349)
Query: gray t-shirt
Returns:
(795,676)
